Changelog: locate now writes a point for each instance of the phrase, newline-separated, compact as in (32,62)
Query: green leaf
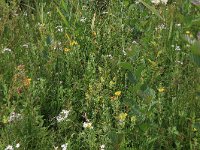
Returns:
(63,17)
(153,10)
(196,48)
(126,65)
(132,78)
(48,40)
(196,59)
(144,127)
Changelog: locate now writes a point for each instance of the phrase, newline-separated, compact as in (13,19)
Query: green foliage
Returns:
(94,74)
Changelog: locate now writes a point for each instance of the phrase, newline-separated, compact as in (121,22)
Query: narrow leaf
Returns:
(152,9)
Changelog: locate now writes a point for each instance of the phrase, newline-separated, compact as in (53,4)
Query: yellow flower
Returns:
(133,119)
(27,81)
(161,89)
(72,43)
(66,49)
(5,120)
(94,33)
(118,93)
(187,32)
(194,130)
(122,117)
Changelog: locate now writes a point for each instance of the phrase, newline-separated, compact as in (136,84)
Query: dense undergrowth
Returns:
(86,74)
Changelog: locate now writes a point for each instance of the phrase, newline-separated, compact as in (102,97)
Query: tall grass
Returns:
(99,75)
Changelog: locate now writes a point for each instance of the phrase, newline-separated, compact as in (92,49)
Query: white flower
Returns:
(14,116)
(134,42)
(124,52)
(59,28)
(17,145)
(160,27)
(64,146)
(25,45)
(63,115)
(7,50)
(105,12)
(87,125)
(25,14)
(179,62)
(177,48)
(178,24)
(83,19)
(164,1)
(109,56)
(156,2)
(9,147)
(102,147)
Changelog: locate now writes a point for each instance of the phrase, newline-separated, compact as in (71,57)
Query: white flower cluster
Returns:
(6,50)
(59,28)
(87,125)
(156,2)
(63,115)
(83,19)
(102,147)
(63,146)
(14,116)
(10,147)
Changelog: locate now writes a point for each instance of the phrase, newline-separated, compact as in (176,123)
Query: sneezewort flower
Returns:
(17,145)
(87,125)
(63,115)
(102,147)
(14,116)
(156,2)
(64,146)
(9,147)
(6,50)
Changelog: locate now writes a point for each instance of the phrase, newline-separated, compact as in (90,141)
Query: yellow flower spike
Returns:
(72,43)
(118,93)
(68,37)
(161,89)
(153,63)
(66,50)
(27,81)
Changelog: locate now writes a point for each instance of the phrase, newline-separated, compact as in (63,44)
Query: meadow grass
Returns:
(99,75)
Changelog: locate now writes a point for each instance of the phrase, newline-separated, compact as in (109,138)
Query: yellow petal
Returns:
(118,93)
